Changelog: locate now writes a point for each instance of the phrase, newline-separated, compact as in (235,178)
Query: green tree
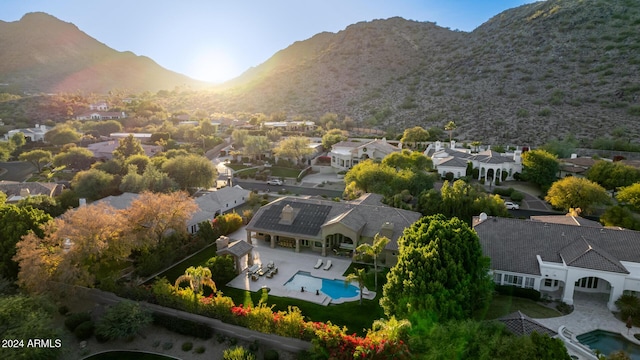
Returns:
(561,148)
(15,222)
(255,146)
(222,268)
(613,175)
(450,127)
(374,250)
(140,161)
(238,353)
(191,171)
(295,147)
(45,203)
(333,137)
(104,128)
(23,318)
(123,320)
(574,192)
(274,135)
(94,184)
(630,195)
(38,158)
(157,181)
(127,147)
(620,216)
(62,134)
(540,167)
(408,160)
(359,276)
(132,182)
(239,136)
(74,158)
(414,135)
(198,278)
(440,271)
(17,140)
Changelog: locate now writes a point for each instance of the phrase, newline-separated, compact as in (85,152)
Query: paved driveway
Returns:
(16,170)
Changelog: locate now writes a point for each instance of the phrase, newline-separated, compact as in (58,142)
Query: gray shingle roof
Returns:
(308,220)
(522,325)
(512,245)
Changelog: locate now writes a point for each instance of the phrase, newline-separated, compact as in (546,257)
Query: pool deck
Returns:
(289,263)
(590,313)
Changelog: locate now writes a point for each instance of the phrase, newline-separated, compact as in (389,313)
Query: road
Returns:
(16,170)
(293,189)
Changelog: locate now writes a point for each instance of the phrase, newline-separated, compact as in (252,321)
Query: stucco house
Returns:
(330,227)
(216,203)
(491,164)
(559,259)
(346,154)
(33,134)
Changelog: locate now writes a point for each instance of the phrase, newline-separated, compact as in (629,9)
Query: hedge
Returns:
(518,292)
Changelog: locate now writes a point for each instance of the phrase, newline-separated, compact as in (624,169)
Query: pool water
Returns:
(334,289)
(608,342)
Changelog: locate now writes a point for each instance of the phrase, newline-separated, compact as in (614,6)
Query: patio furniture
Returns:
(328,266)
(270,265)
(254,277)
(318,264)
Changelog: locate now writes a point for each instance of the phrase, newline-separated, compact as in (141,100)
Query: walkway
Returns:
(590,313)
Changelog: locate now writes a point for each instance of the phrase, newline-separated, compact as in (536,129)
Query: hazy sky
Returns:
(217,40)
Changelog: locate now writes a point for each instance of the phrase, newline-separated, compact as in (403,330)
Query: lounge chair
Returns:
(328,266)
(318,264)
(270,265)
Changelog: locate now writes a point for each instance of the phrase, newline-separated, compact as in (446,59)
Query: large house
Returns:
(216,203)
(17,191)
(559,258)
(33,134)
(330,227)
(491,164)
(346,154)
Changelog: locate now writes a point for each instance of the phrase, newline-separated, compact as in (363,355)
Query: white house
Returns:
(34,134)
(216,203)
(492,165)
(559,259)
(345,154)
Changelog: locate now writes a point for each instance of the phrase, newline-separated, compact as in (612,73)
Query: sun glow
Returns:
(213,65)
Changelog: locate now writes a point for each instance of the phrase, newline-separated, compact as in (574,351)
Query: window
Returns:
(550,283)
(588,283)
(529,282)
(513,280)
(497,278)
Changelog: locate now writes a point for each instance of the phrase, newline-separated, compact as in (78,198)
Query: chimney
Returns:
(82,202)
(387,230)
(438,146)
(222,242)
(453,144)
(287,215)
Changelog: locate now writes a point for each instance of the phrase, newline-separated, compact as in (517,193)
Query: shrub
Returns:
(503,192)
(183,326)
(517,196)
(76,319)
(84,330)
(63,310)
(518,292)
(200,349)
(187,346)
(238,353)
(629,306)
(271,355)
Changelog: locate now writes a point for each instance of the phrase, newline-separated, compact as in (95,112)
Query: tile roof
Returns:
(512,245)
(236,248)
(522,325)
(366,215)
(119,202)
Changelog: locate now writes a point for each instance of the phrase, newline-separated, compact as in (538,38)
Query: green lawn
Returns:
(502,305)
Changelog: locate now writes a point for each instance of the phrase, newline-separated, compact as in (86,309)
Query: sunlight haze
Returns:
(216,41)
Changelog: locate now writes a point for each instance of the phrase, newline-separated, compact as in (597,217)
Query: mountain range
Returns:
(542,70)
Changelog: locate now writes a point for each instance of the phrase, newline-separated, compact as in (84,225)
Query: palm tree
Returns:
(379,243)
(450,127)
(197,278)
(476,145)
(358,276)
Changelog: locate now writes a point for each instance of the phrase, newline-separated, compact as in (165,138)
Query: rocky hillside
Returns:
(43,54)
(542,70)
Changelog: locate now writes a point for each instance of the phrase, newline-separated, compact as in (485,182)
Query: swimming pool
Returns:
(608,342)
(334,289)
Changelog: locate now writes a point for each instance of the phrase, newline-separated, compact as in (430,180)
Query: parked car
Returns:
(511,206)
(274,182)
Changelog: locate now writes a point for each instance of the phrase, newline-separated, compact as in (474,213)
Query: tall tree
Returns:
(127,147)
(274,135)
(613,175)
(540,167)
(17,140)
(414,135)
(151,216)
(254,146)
(123,320)
(332,137)
(450,126)
(238,137)
(295,147)
(94,184)
(374,250)
(408,160)
(630,195)
(574,192)
(38,158)
(359,276)
(191,171)
(16,222)
(440,271)
(62,134)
